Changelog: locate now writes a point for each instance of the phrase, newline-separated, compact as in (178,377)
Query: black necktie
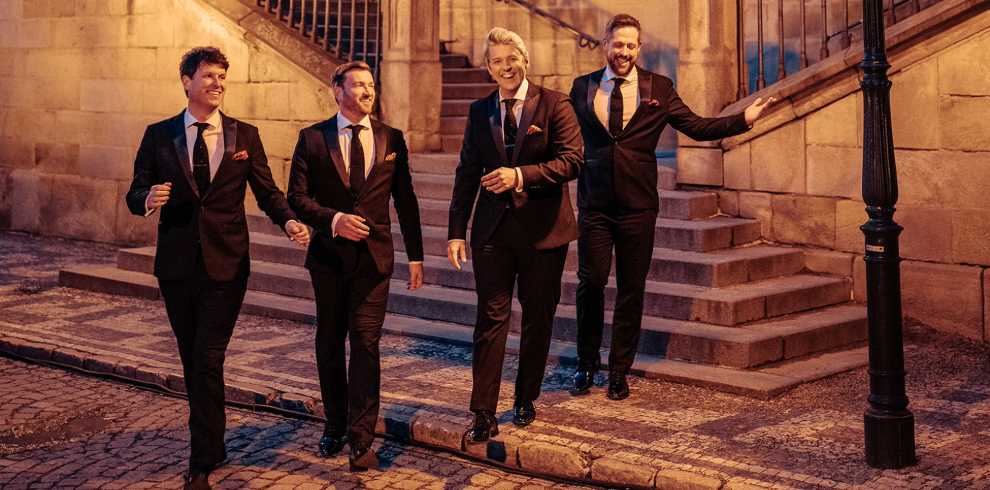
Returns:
(615,108)
(201,160)
(509,128)
(357,159)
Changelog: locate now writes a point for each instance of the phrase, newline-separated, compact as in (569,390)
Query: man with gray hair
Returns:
(521,146)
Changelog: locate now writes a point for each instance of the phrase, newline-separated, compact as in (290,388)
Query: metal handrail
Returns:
(584,40)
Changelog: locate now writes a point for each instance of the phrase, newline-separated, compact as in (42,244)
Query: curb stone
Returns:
(68,357)
(433,429)
(684,480)
(615,471)
(550,458)
(36,351)
(503,448)
(297,403)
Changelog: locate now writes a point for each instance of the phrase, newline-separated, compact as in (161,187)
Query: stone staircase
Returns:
(722,309)
(462,85)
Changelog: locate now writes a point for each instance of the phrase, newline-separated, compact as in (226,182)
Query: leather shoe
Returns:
(618,388)
(485,426)
(196,481)
(363,458)
(332,442)
(524,413)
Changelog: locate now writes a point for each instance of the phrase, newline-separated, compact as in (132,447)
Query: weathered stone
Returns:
(34,33)
(57,94)
(25,210)
(758,205)
(928,233)
(9,345)
(502,448)
(699,166)
(110,95)
(778,159)
(100,364)
(946,296)
(837,124)
(79,32)
(16,152)
(829,262)
(684,480)
(137,231)
(615,471)
(77,207)
(736,172)
(835,171)
(804,219)
(297,403)
(249,394)
(849,216)
(961,121)
(728,202)
(914,106)
(125,370)
(107,162)
(34,350)
(431,429)
(970,236)
(964,68)
(57,159)
(151,375)
(735,485)
(68,357)
(176,383)
(29,124)
(550,458)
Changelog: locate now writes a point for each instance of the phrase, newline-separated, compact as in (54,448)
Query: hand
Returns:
(500,180)
(352,227)
(298,232)
(455,249)
(755,111)
(415,277)
(158,195)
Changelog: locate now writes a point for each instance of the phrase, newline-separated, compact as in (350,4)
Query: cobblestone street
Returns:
(67,431)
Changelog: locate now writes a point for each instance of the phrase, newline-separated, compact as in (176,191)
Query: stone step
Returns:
(767,381)
(706,234)
(453,125)
(465,75)
(455,107)
(467,90)
(433,163)
(451,143)
(454,61)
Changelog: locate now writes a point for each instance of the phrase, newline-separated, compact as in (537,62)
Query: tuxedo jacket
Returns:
(547,152)
(215,221)
(622,170)
(319,188)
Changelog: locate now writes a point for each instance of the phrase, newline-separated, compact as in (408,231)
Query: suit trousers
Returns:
(631,233)
(507,256)
(202,313)
(351,305)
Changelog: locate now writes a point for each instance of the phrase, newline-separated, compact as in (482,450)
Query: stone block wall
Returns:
(81,79)
(803,178)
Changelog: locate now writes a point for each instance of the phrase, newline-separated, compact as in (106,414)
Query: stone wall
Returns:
(79,82)
(802,177)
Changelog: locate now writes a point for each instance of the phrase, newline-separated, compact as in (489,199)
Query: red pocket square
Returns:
(534,129)
(241,155)
(654,103)
(390,157)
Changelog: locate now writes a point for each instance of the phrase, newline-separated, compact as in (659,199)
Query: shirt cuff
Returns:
(411,262)
(456,240)
(519,180)
(333,224)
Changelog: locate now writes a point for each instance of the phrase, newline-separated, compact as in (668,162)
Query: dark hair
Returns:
(620,21)
(338,74)
(197,56)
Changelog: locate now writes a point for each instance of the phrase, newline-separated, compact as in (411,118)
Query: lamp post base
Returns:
(889,439)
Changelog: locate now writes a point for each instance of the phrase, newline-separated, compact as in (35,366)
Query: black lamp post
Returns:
(889,425)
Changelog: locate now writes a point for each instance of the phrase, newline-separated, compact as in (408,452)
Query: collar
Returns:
(343,122)
(213,120)
(632,78)
(520,92)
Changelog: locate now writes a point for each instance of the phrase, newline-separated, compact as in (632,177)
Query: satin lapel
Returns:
(645,96)
(594,83)
(182,151)
(380,150)
(529,108)
(495,119)
(333,146)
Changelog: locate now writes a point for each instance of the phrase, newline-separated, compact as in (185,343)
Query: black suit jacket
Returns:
(630,157)
(319,188)
(548,153)
(215,220)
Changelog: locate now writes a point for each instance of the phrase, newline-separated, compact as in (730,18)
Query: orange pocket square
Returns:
(534,129)
(654,103)
(390,157)
(241,155)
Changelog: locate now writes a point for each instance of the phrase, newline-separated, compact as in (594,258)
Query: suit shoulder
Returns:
(377,125)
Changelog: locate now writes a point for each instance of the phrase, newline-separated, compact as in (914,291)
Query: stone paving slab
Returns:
(809,437)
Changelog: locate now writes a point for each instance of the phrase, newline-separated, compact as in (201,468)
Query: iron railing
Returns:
(830,39)
(584,40)
(347,29)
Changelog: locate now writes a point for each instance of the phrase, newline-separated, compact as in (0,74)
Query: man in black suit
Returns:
(521,146)
(618,200)
(196,167)
(344,170)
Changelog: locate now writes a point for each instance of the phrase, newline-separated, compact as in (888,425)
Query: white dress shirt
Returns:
(517,110)
(213,136)
(344,137)
(630,96)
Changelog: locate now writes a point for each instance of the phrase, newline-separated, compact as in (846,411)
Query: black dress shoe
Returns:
(618,389)
(363,458)
(332,442)
(196,481)
(524,413)
(584,377)
(485,426)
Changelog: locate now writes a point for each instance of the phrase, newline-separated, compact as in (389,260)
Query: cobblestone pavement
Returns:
(67,431)
(810,437)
